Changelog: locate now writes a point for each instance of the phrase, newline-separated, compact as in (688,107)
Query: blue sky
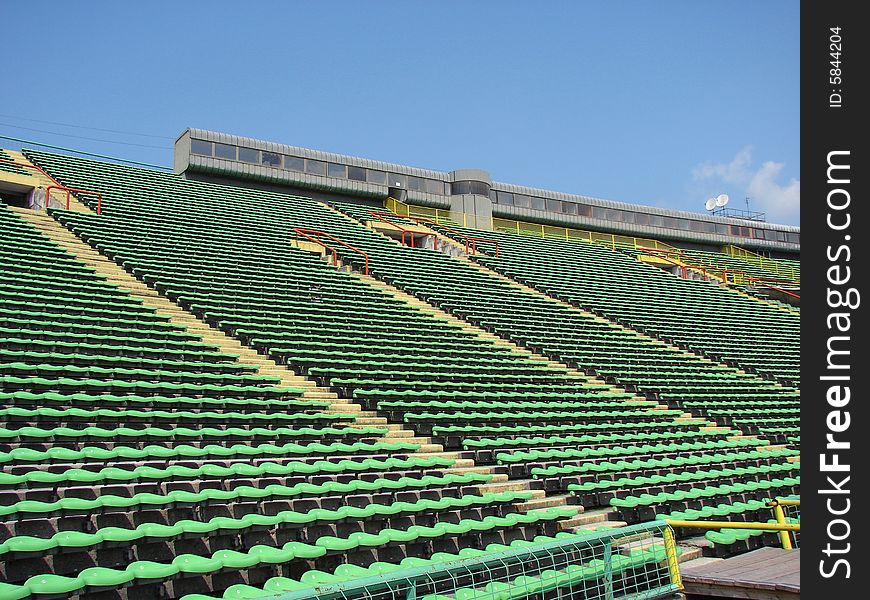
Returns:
(663,103)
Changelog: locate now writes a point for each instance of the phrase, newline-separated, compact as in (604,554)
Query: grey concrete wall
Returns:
(476,210)
(471,175)
(181,153)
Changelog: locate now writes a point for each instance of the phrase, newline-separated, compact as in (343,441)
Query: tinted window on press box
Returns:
(224,151)
(200,147)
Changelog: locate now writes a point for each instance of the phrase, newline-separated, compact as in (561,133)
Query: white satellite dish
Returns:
(711,204)
(722,199)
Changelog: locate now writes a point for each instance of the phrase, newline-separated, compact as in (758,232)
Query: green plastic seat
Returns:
(301,550)
(148,570)
(9,591)
(191,563)
(276,585)
(335,544)
(27,544)
(232,559)
(53,584)
(104,577)
(270,555)
(242,591)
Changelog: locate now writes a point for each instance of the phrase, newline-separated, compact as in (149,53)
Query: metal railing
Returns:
(611,240)
(442,217)
(55,185)
(384,216)
(70,190)
(638,562)
(311,234)
(774,284)
(788,531)
(407,210)
(771,264)
(29,166)
(684,262)
(470,242)
(783,510)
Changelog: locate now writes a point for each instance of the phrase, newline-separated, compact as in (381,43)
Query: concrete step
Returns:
(691,553)
(390,436)
(429,448)
(598,515)
(392,426)
(583,521)
(542,501)
(497,487)
(578,525)
(461,462)
(462,470)
(209,335)
(771,447)
(374,422)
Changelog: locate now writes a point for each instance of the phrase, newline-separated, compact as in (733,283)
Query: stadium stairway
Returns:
(689,418)
(499,483)
(593,316)
(39,179)
(686,418)
(444,239)
(266,366)
(481,333)
(691,548)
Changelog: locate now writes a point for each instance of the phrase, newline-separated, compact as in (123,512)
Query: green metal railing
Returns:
(638,562)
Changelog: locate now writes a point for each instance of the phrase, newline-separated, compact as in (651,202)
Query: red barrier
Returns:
(56,185)
(382,216)
(69,190)
(27,166)
(310,233)
(470,242)
(768,283)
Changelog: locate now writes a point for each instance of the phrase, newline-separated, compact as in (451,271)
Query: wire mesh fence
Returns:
(636,562)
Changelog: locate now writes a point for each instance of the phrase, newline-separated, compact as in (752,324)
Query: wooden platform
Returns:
(764,574)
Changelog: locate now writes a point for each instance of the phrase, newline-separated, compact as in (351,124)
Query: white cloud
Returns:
(781,202)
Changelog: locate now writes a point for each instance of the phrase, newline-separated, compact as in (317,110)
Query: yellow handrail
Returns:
(770,264)
(671,553)
(734,525)
(408,210)
(782,526)
(779,514)
(527,228)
